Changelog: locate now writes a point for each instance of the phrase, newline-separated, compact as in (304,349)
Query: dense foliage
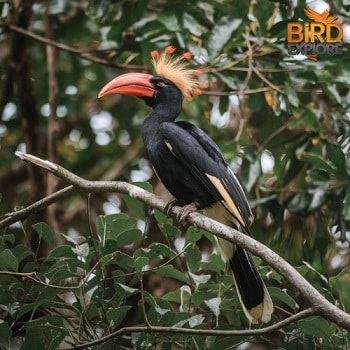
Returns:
(87,266)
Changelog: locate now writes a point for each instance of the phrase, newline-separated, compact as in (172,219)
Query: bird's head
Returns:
(174,79)
(145,86)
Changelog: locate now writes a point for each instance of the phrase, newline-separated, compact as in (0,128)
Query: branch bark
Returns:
(319,304)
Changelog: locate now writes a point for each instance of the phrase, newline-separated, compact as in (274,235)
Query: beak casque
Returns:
(135,84)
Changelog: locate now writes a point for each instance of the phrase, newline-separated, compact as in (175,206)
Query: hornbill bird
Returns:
(192,167)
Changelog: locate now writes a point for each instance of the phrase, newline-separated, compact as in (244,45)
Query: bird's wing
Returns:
(203,159)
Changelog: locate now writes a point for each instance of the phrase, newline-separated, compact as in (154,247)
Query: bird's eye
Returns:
(160,84)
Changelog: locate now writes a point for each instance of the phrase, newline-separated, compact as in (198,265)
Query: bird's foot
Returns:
(186,209)
(171,204)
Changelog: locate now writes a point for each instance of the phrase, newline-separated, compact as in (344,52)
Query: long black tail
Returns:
(250,287)
(255,299)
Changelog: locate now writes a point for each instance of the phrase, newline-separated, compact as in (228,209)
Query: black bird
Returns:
(192,167)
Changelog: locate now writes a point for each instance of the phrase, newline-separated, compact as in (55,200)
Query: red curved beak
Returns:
(135,84)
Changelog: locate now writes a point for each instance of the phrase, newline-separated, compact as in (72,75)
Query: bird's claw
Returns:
(170,205)
(185,210)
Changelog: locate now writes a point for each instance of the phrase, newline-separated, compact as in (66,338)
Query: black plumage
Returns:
(192,168)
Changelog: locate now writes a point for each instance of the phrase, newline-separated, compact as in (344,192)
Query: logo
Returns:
(322,36)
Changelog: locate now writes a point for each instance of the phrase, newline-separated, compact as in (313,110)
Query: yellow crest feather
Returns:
(177,70)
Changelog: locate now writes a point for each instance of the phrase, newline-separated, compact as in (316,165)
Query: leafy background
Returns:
(90,265)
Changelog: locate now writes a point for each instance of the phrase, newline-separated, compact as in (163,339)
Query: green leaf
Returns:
(251,170)
(284,297)
(124,260)
(140,263)
(21,252)
(196,320)
(318,161)
(307,120)
(116,316)
(155,252)
(231,84)
(199,279)
(221,34)
(116,231)
(8,260)
(138,208)
(193,257)
(170,271)
(192,24)
(111,226)
(169,20)
(128,289)
(318,197)
(82,250)
(5,331)
(292,95)
(160,217)
(228,343)
(200,297)
(46,296)
(333,92)
(35,338)
(70,239)
(8,238)
(161,250)
(318,177)
(214,305)
(63,251)
(193,321)
(215,263)
(44,231)
(24,309)
(193,234)
(263,11)
(310,267)
(120,223)
(169,229)
(340,285)
(337,157)
(60,269)
(317,326)
(128,237)
(161,311)
(346,206)
(173,297)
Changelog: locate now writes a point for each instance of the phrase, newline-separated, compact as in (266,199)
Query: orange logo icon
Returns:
(321,18)
(322,36)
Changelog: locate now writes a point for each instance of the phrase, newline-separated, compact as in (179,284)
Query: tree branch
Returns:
(11,218)
(85,55)
(318,303)
(195,331)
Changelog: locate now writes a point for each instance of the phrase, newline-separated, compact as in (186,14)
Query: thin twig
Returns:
(143,302)
(194,331)
(79,52)
(13,217)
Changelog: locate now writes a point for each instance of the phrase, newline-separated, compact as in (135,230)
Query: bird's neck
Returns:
(165,112)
